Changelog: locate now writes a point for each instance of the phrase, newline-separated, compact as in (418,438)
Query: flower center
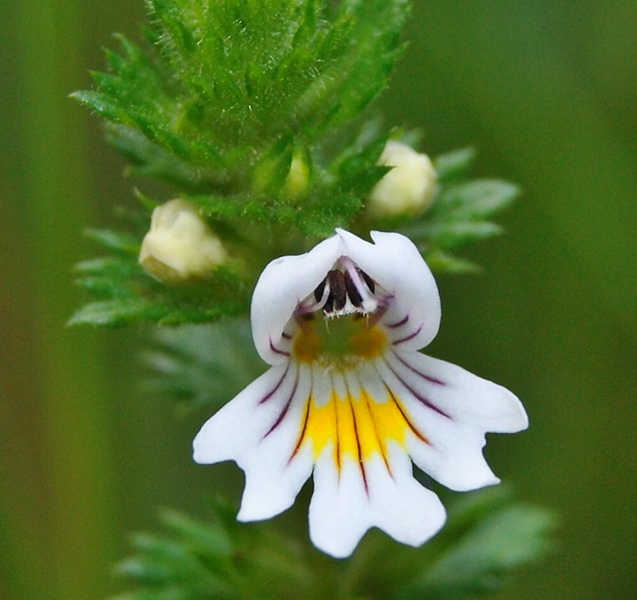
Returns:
(338,342)
(337,323)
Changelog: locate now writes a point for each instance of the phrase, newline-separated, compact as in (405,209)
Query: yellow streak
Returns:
(357,427)
(353,426)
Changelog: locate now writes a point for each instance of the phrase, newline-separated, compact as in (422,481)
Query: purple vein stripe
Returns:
(275,349)
(417,395)
(282,414)
(408,337)
(411,426)
(275,388)
(361,464)
(417,372)
(301,439)
(398,323)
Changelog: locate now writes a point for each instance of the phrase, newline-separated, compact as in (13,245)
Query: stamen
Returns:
(363,284)
(368,280)
(319,291)
(352,291)
(345,290)
(338,292)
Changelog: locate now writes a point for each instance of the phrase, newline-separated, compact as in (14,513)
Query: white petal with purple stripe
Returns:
(350,399)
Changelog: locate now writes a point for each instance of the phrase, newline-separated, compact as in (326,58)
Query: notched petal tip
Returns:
(514,417)
(377,493)
(258,430)
(397,265)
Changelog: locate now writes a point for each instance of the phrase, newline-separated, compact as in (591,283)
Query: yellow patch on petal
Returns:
(355,426)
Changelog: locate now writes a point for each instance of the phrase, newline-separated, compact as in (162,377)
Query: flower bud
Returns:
(297,181)
(180,245)
(408,187)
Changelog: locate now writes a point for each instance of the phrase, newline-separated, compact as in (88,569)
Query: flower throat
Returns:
(346,331)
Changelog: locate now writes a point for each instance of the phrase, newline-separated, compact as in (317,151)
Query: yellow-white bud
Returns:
(180,245)
(408,187)
(298,177)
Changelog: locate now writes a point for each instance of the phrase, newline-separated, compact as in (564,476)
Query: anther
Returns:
(338,290)
(352,291)
(318,292)
(347,291)
(368,280)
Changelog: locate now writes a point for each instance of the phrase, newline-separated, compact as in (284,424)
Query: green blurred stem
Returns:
(71,379)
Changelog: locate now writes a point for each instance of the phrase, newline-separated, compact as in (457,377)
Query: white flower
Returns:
(350,399)
(179,245)
(408,187)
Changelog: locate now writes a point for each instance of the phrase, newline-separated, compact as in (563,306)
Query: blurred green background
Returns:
(547,91)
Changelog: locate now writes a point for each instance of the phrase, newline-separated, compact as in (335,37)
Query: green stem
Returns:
(70,379)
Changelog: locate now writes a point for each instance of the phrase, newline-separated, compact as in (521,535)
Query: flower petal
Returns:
(461,394)
(258,429)
(452,410)
(283,284)
(356,401)
(395,263)
(348,502)
(392,260)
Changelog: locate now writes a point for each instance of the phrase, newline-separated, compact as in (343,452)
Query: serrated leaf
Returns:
(454,165)
(487,537)
(474,200)
(104,265)
(182,564)
(443,262)
(450,235)
(185,370)
(110,313)
(241,75)
(204,539)
(152,160)
(100,103)
(119,241)
(495,546)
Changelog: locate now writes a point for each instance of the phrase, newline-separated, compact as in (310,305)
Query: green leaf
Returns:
(454,165)
(442,262)
(454,234)
(474,200)
(488,536)
(119,241)
(184,369)
(219,559)
(458,214)
(205,539)
(150,159)
(116,312)
(163,310)
(228,82)
(494,547)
